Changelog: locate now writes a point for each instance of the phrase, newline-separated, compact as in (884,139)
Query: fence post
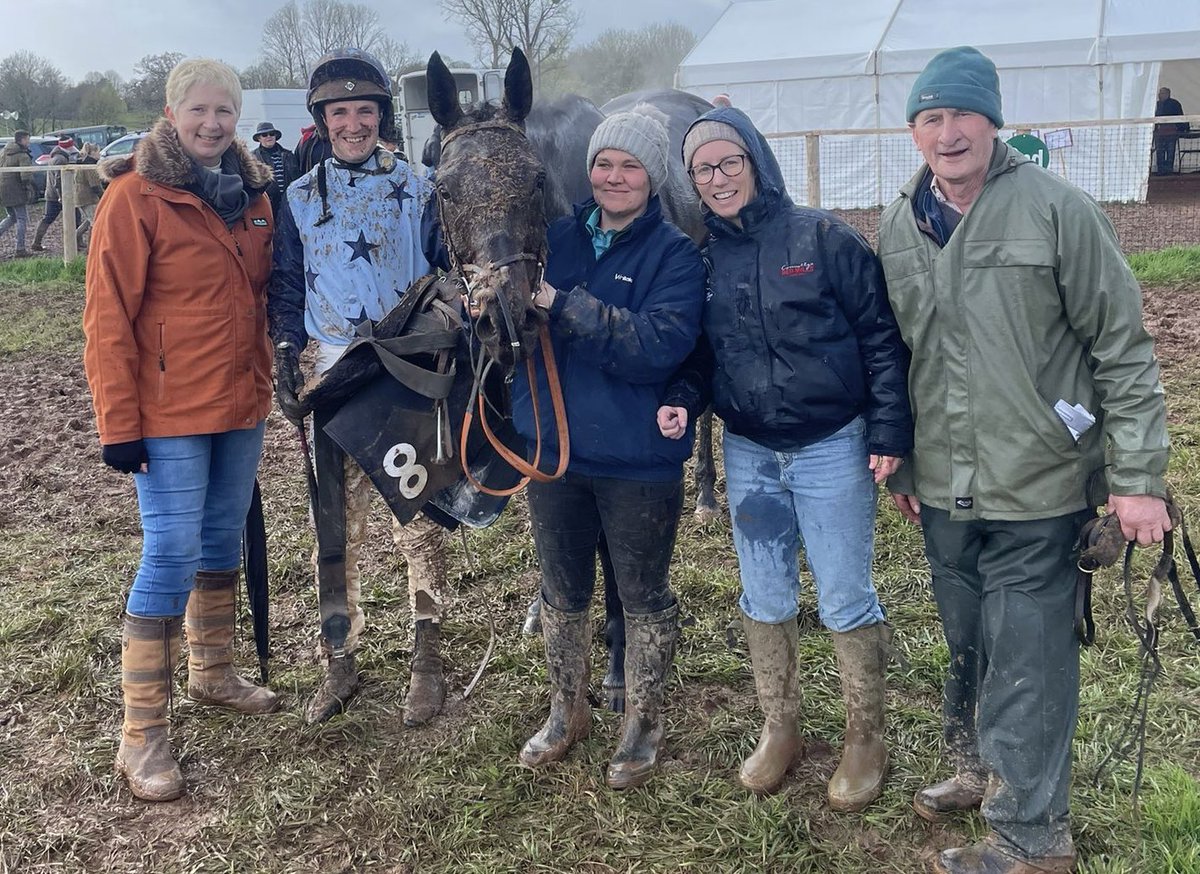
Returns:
(812,161)
(66,185)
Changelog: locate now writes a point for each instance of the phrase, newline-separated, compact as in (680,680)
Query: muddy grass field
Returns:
(363,793)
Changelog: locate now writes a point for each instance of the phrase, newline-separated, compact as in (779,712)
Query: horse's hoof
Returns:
(707,512)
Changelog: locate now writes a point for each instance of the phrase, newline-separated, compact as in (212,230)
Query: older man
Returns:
(1036,394)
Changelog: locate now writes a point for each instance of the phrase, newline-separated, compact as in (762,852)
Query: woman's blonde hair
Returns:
(203,71)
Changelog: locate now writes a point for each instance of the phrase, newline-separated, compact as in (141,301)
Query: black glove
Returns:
(125,457)
(288,382)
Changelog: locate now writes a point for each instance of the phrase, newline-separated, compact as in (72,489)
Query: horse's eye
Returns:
(540,182)
(444,194)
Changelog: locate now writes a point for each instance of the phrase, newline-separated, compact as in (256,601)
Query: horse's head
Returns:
(489,189)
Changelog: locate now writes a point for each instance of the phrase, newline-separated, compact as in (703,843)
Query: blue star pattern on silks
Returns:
(362,249)
(353,179)
(359,321)
(307,184)
(310,278)
(399,194)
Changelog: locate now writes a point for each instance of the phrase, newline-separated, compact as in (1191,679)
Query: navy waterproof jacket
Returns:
(799,338)
(621,325)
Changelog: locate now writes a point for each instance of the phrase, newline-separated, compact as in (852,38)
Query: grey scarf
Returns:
(225,191)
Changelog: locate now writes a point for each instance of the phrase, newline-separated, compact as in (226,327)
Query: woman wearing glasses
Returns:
(802,360)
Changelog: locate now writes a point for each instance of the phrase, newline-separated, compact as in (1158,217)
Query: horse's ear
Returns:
(443,92)
(518,87)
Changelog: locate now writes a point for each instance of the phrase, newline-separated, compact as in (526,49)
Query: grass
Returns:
(1167,266)
(363,793)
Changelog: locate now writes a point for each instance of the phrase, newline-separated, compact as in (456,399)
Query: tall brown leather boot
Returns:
(773,651)
(38,236)
(649,651)
(210,617)
(862,659)
(149,652)
(568,641)
(427,685)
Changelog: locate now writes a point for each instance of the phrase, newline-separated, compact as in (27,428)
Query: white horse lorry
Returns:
(416,122)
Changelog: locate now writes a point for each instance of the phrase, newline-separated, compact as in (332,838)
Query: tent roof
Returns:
(767,40)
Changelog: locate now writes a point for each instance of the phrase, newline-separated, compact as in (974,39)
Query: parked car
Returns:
(124,145)
(100,134)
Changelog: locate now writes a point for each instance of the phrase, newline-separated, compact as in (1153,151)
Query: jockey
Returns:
(347,247)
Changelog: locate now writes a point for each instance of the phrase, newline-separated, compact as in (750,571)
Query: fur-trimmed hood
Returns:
(160,158)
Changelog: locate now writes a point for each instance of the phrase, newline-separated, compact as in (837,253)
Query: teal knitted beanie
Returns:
(959,78)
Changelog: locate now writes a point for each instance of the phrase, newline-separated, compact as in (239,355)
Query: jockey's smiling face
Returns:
(353,129)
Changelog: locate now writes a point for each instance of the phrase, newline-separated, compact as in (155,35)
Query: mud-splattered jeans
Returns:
(639,520)
(821,497)
(1006,596)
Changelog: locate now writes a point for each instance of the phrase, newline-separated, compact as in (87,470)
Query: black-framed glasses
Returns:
(702,174)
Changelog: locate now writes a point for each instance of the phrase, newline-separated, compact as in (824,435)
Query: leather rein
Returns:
(482,364)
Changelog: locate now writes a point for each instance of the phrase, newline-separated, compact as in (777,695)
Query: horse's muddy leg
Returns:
(614,633)
(705,474)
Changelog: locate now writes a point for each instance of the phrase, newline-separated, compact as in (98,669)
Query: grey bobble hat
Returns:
(709,131)
(638,132)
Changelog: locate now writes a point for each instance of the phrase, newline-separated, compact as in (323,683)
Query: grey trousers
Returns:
(1005,593)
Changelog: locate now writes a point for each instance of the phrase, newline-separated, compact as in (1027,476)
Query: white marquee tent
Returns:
(803,65)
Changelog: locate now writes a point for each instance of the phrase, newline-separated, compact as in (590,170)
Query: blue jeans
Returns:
(19,216)
(822,498)
(193,499)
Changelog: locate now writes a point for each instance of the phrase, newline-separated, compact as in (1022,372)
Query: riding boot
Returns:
(149,652)
(649,650)
(862,656)
(994,856)
(38,236)
(335,691)
(210,618)
(81,234)
(427,687)
(568,641)
(773,655)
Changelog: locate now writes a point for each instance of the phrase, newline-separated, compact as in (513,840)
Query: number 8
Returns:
(406,472)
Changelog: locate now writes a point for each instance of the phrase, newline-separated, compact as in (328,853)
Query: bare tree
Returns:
(543,29)
(265,74)
(32,87)
(148,89)
(620,61)
(283,45)
(100,103)
(397,58)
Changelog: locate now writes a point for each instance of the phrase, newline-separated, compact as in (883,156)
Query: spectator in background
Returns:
(1166,135)
(722,100)
(64,152)
(88,189)
(17,190)
(312,149)
(284,166)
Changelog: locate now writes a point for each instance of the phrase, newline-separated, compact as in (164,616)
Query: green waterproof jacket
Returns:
(1030,302)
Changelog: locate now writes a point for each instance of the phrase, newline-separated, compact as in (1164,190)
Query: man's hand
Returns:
(884,466)
(672,422)
(909,507)
(288,382)
(1143,518)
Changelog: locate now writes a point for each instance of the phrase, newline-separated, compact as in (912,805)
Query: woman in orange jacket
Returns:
(179,364)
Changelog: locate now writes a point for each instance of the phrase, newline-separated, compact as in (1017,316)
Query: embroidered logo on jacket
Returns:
(259,222)
(797,269)
(623,277)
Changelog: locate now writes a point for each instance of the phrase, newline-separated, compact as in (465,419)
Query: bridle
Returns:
(482,363)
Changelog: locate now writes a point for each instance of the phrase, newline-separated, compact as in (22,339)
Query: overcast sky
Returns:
(79,37)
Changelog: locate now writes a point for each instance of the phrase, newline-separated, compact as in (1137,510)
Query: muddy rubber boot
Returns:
(963,791)
(649,649)
(568,641)
(862,656)
(38,236)
(773,651)
(149,652)
(990,857)
(210,617)
(427,686)
(335,692)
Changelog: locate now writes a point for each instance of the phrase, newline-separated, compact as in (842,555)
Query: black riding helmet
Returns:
(350,74)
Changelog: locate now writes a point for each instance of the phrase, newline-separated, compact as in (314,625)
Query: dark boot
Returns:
(649,650)
(614,677)
(989,857)
(568,640)
(210,617)
(427,687)
(38,236)
(862,657)
(149,652)
(963,791)
(338,687)
(773,657)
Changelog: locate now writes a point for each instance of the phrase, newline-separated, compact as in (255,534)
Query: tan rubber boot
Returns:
(568,642)
(862,659)
(427,686)
(773,657)
(336,690)
(649,650)
(149,652)
(210,617)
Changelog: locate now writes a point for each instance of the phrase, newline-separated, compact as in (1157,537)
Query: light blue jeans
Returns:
(822,498)
(19,216)
(193,499)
